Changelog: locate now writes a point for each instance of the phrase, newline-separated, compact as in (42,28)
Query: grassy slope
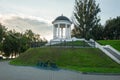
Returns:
(84,59)
(114,43)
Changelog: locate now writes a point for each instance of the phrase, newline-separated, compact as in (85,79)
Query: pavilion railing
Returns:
(64,44)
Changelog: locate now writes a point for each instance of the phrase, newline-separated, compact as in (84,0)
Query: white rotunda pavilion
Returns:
(61,28)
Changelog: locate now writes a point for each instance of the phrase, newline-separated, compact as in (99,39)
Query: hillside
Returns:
(82,59)
(113,43)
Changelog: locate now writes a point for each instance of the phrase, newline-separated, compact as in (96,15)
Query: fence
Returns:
(37,44)
(65,44)
(72,44)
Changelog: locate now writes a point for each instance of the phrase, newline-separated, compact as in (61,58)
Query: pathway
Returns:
(9,72)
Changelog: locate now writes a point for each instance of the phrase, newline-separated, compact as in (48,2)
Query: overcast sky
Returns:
(47,10)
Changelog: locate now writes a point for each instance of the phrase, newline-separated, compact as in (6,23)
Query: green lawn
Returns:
(113,43)
(82,59)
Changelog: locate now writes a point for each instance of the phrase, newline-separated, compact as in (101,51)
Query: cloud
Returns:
(22,22)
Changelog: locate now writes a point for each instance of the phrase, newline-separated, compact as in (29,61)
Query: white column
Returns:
(70,31)
(54,32)
(58,30)
(66,31)
(61,32)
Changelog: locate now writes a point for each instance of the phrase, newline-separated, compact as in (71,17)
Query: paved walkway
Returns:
(9,72)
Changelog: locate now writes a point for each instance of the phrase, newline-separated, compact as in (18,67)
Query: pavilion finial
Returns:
(62,15)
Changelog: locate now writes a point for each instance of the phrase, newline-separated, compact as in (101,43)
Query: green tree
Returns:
(75,32)
(85,16)
(2,35)
(11,43)
(8,45)
(2,32)
(30,35)
(24,43)
(97,32)
(15,42)
(34,39)
(112,28)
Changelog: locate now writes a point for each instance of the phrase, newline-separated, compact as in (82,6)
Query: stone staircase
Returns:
(113,53)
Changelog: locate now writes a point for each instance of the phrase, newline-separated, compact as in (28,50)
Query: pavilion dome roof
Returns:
(62,18)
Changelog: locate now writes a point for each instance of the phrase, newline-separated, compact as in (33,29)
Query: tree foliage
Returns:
(85,16)
(2,34)
(13,43)
(97,32)
(112,28)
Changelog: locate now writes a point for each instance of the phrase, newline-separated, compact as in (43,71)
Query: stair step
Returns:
(113,53)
